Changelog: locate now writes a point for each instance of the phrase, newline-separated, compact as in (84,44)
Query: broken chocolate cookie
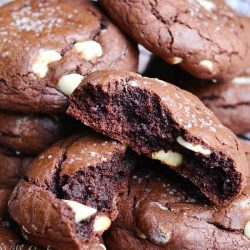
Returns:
(166,123)
(68,197)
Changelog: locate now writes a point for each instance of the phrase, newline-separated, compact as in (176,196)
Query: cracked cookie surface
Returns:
(164,211)
(68,197)
(206,38)
(160,120)
(42,41)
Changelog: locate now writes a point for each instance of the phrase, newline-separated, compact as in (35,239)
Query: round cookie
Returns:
(72,189)
(10,237)
(165,123)
(206,38)
(229,100)
(12,167)
(164,211)
(31,134)
(46,44)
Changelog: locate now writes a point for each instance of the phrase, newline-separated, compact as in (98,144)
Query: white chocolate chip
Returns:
(195,148)
(241,80)
(170,158)
(101,224)
(42,60)
(102,246)
(207,64)
(68,83)
(175,60)
(247,230)
(133,83)
(208,5)
(89,50)
(140,234)
(81,211)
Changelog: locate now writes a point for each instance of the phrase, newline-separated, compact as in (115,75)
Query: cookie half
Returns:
(166,123)
(47,47)
(206,38)
(68,197)
(164,211)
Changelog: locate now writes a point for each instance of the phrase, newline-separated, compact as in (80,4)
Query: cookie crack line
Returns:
(169,23)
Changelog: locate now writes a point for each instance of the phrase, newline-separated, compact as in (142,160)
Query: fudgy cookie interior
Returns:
(87,173)
(134,116)
(97,187)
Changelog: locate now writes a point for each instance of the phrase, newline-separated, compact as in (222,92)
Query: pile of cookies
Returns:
(96,156)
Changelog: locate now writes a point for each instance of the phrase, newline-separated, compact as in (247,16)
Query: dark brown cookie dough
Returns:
(12,167)
(68,197)
(164,211)
(162,121)
(31,134)
(229,100)
(47,46)
(10,237)
(204,37)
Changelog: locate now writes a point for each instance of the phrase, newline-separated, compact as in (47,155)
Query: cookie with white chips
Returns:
(47,47)
(160,120)
(68,197)
(205,37)
(164,211)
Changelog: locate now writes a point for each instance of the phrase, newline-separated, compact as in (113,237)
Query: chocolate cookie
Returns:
(229,100)
(12,167)
(48,46)
(10,238)
(166,123)
(31,134)
(164,211)
(204,37)
(68,197)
